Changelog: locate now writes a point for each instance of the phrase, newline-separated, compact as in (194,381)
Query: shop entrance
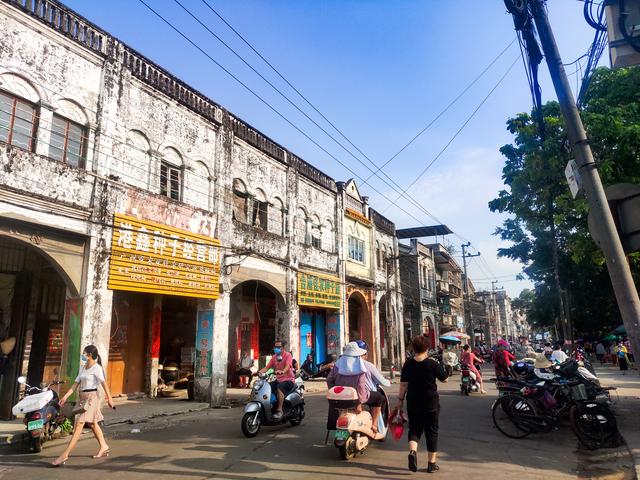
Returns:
(177,344)
(252,324)
(32,305)
(357,310)
(134,337)
(313,335)
(127,344)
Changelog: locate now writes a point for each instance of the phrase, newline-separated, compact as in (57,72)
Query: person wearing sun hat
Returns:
(351,371)
(542,361)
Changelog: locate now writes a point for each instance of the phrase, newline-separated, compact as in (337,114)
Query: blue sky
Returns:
(380,71)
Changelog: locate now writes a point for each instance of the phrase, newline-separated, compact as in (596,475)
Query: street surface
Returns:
(210,445)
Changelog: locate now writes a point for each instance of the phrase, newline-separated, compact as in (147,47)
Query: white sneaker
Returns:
(277,415)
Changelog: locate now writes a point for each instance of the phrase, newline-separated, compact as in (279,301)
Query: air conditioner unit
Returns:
(623,29)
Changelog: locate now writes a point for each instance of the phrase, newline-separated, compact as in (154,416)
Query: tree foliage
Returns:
(544,217)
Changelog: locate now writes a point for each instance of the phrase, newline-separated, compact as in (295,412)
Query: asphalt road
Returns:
(210,445)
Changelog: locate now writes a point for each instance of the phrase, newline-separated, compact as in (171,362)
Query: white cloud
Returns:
(457,192)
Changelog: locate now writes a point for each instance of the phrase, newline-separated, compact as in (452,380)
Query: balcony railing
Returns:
(442,288)
(65,21)
(455,291)
(427,296)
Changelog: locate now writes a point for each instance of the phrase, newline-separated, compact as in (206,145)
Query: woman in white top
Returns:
(90,377)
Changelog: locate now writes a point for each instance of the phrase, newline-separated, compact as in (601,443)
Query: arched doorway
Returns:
(429,331)
(252,324)
(357,310)
(33,292)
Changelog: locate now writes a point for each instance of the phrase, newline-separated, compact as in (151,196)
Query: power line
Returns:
(185,37)
(395,186)
(455,135)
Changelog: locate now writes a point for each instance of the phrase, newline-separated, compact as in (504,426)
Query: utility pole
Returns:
(465,292)
(619,271)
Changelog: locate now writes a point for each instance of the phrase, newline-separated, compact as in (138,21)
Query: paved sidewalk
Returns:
(627,405)
(143,409)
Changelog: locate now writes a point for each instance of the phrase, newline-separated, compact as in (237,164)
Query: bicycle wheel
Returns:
(509,415)
(594,425)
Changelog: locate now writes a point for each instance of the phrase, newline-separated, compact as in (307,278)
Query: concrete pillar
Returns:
(218,382)
(288,320)
(44,129)
(205,347)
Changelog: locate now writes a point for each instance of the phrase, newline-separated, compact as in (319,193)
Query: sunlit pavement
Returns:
(210,445)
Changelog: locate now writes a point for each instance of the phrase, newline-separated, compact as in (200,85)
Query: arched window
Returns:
(300,222)
(240,196)
(260,210)
(327,236)
(18,112)
(69,134)
(132,159)
(171,174)
(316,234)
(198,182)
(277,217)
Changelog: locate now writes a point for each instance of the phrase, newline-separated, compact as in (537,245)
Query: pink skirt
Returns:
(92,413)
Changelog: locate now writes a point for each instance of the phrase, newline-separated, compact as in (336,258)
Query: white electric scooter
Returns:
(353,424)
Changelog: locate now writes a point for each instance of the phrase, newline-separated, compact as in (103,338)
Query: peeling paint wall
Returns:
(136,117)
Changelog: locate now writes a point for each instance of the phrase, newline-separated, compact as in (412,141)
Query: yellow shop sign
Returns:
(155,258)
(320,291)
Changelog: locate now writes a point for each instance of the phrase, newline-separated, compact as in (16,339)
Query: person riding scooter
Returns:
(351,371)
(282,363)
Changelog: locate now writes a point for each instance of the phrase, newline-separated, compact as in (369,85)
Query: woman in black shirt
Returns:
(418,379)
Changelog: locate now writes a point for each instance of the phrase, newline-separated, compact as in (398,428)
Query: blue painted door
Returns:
(320,334)
(306,335)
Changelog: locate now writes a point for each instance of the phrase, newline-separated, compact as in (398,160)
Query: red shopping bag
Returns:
(397,419)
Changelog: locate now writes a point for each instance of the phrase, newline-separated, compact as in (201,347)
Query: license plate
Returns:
(342,434)
(465,380)
(35,425)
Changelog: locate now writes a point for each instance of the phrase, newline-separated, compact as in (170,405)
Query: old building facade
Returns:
(418,276)
(140,216)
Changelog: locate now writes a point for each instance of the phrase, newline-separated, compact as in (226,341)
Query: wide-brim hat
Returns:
(352,349)
(542,361)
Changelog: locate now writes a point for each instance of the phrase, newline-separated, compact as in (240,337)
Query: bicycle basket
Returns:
(579,392)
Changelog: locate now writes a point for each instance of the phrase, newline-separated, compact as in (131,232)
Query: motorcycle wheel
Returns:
(595,426)
(248,428)
(348,450)
(36,444)
(298,415)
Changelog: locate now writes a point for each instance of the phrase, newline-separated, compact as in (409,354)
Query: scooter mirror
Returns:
(22,380)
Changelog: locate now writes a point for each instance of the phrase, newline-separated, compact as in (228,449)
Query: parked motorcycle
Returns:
(263,402)
(353,427)
(468,380)
(323,369)
(41,410)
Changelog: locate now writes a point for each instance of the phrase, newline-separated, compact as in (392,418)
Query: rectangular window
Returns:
(17,121)
(356,249)
(170,181)
(260,214)
(68,141)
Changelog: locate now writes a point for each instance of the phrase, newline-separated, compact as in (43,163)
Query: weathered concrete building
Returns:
(140,216)
(388,315)
(418,276)
(448,289)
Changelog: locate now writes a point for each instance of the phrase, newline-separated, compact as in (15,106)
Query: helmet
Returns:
(362,344)
(520,368)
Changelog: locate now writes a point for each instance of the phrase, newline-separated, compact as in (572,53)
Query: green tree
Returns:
(547,229)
